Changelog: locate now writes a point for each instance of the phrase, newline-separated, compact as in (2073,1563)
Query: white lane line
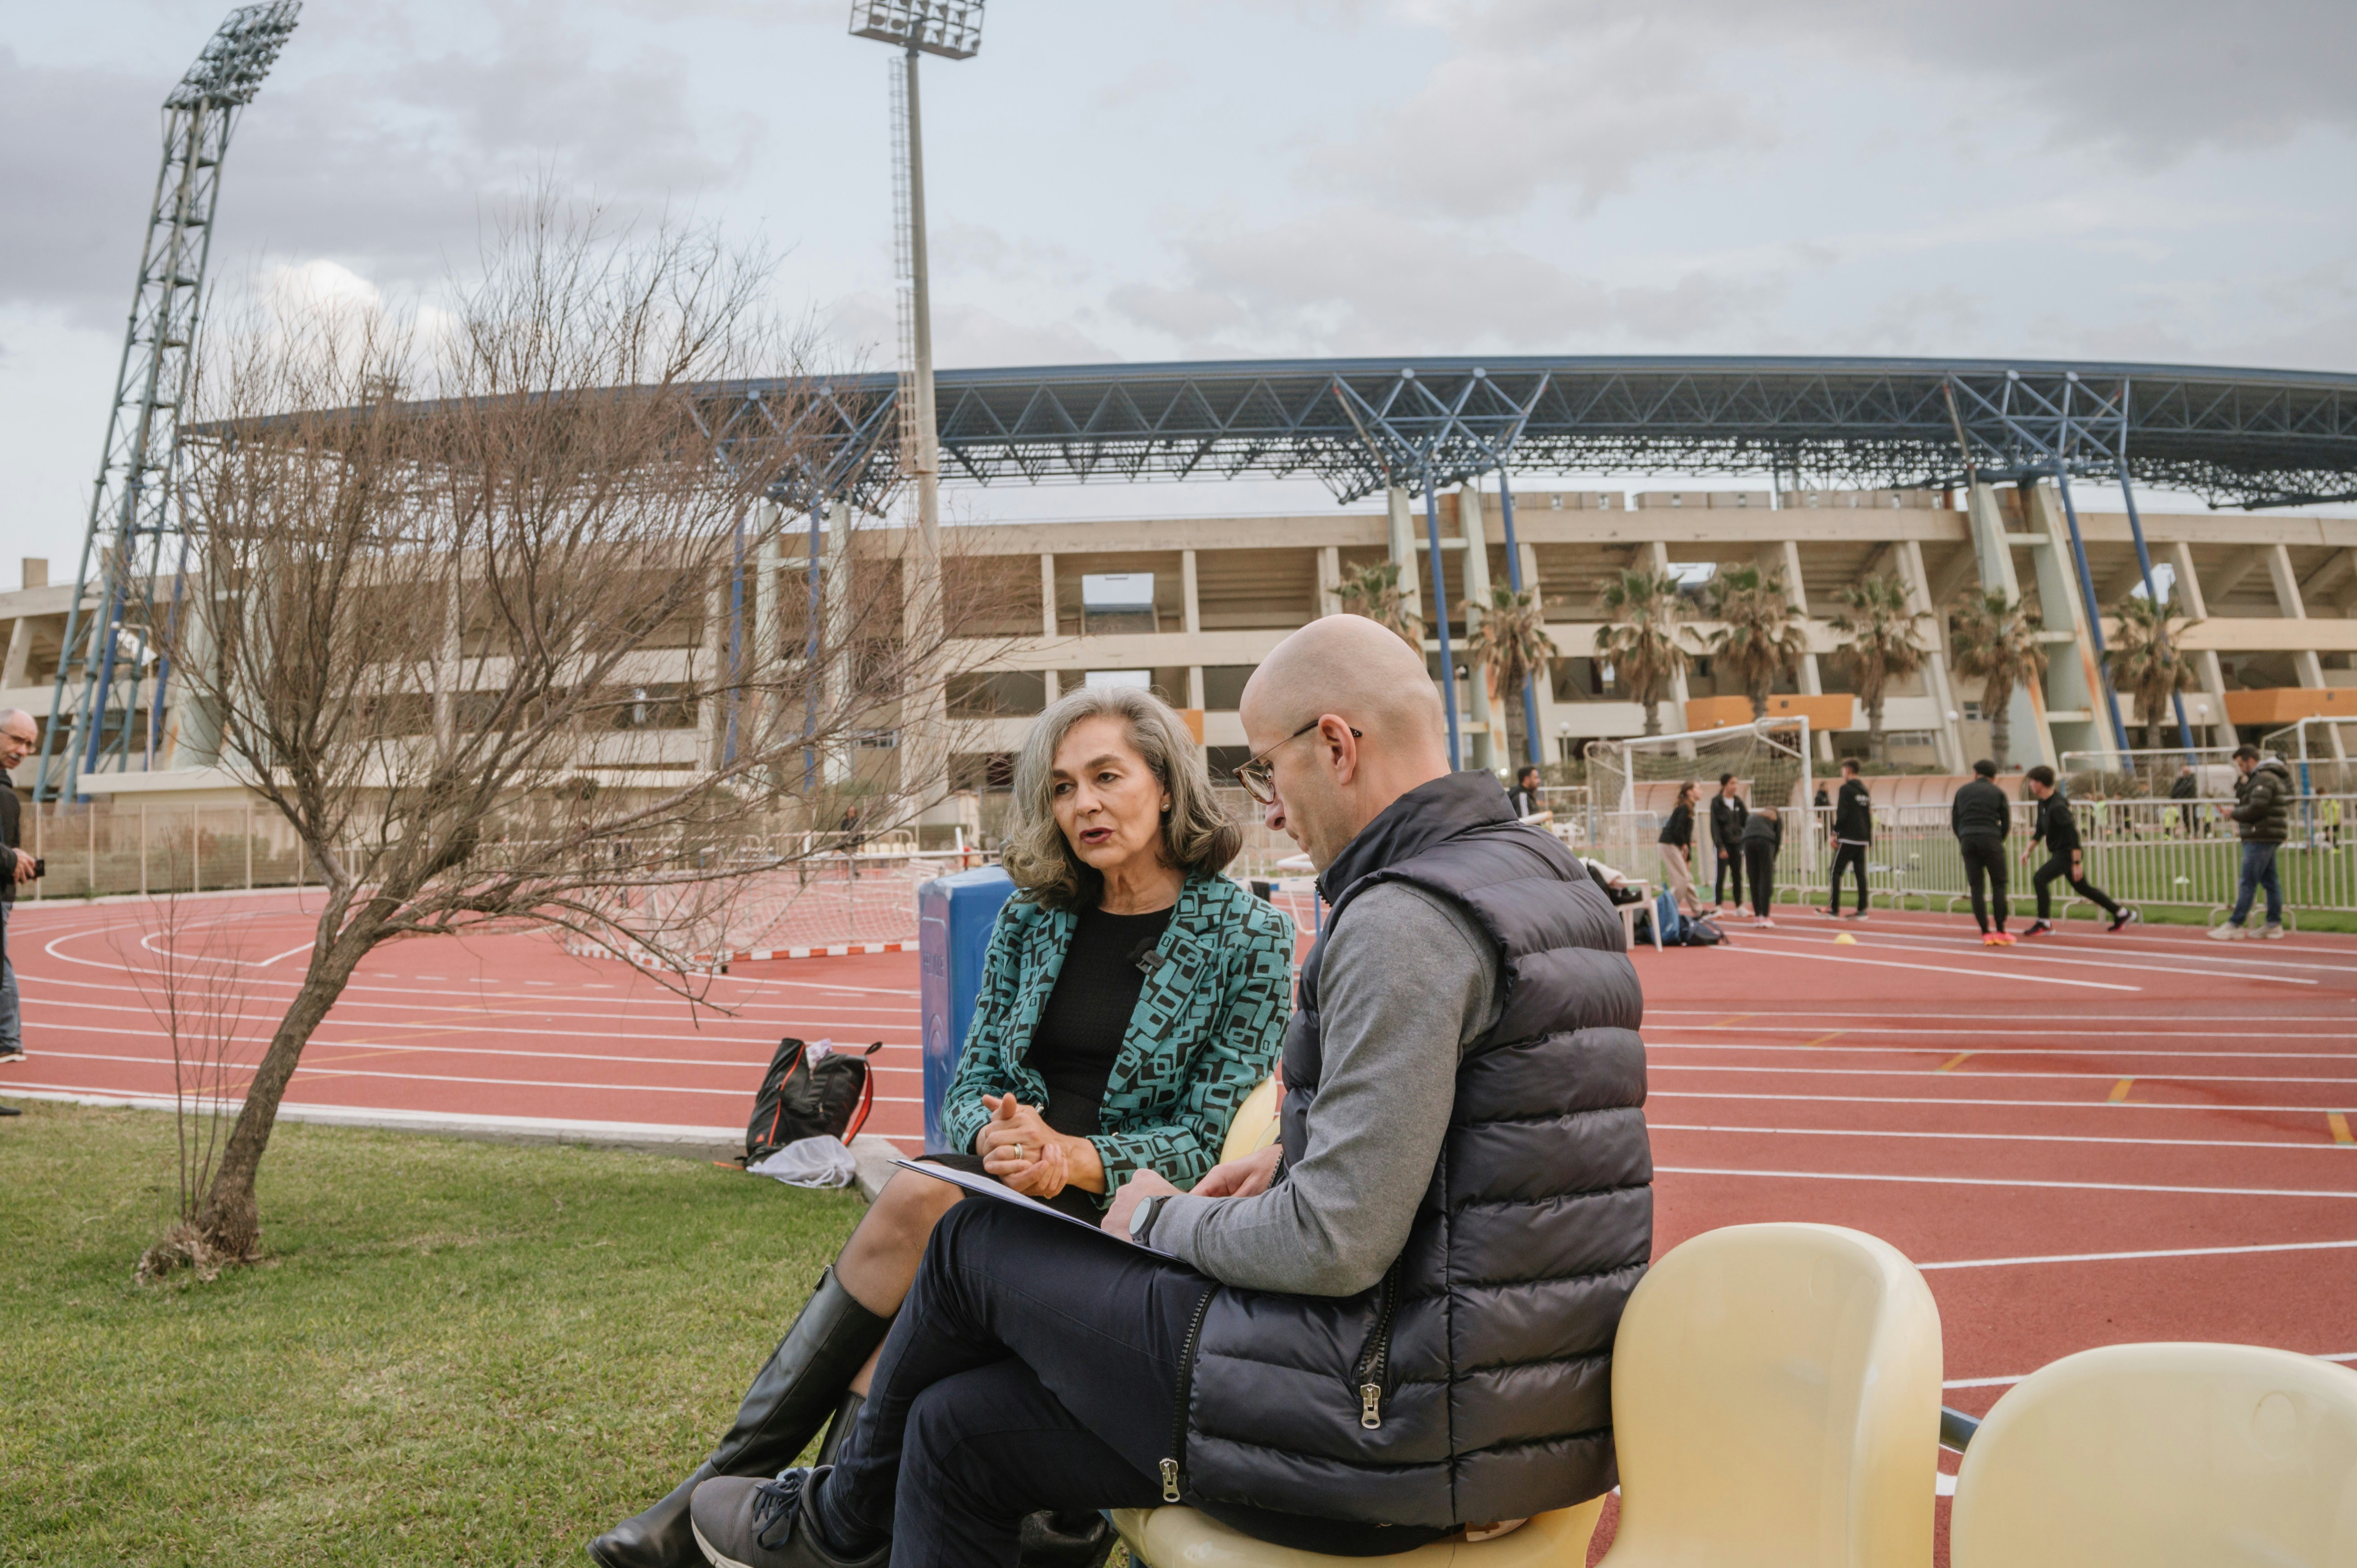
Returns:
(472,1022)
(2009,1382)
(2107,1107)
(2012,1181)
(2202,951)
(1973,973)
(1991,1019)
(1997,1073)
(306,1070)
(753,1064)
(596,1009)
(1655,1043)
(2159,1252)
(2015,955)
(2002,1137)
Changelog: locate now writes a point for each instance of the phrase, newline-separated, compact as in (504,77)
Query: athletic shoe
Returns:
(13,1055)
(1828,914)
(2273,933)
(2227,933)
(2124,918)
(1855,915)
(1764,921)
(2040,929)
(9,1111)
(1991,940)
(747,1522)
(2004,939)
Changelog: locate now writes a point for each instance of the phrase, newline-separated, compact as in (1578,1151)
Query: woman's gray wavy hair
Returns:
(1196,833)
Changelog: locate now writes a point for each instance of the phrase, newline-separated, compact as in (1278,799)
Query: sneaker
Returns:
(2040,929)
(2123,919)
(1765,920)
(746,1522)
(1828,914)
(1855,915)
(13,1055)
(1992,939)
(2004,939)
(2273,933)
(2227,933)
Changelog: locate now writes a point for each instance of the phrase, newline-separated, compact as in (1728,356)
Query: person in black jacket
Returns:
(1524,796)
(2185,788)
(1981,816)
(1727,815)
(19,734)
(1763,835)
(2065,857)
(1677,848)
(1853,831)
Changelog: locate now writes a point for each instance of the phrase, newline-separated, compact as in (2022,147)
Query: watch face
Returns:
(1141,1217)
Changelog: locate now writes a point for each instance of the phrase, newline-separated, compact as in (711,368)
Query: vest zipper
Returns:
(1373,1361)
(1174,1470)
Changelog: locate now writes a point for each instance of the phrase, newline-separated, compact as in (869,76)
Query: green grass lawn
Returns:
(453,1353)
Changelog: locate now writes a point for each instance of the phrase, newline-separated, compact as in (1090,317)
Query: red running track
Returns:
(2084,1140)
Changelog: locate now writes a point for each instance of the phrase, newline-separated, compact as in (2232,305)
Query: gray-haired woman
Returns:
(1132,998)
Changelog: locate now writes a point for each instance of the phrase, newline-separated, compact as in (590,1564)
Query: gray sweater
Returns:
(1408,981)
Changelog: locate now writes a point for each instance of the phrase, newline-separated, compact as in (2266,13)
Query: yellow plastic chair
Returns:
(1254,1126)
(2164,1456)
(1776,1404)
(1181,1537)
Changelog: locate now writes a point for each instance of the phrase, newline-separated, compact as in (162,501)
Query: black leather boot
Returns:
(797,1390)
(1065,1540)
(838,1429)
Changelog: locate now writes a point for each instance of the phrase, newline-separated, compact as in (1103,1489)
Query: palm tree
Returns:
(1761,639)
(1997,641)
(1879,629)
(2144,659)
(1375,593)
(1641,642)
(1508,640)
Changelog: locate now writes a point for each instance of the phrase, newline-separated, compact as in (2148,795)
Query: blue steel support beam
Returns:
(1514,581)
(1441,619)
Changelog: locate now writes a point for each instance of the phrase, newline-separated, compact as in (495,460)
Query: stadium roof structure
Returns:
(2251,439)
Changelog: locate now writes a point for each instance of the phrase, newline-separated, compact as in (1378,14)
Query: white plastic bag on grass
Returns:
(810,1161)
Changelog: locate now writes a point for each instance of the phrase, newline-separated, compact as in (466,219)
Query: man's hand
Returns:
(1141,1184)
(23,866)
(1246,1178)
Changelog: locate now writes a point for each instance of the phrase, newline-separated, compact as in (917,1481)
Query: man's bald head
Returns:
(19,733)
(1357,669)
(1379,731)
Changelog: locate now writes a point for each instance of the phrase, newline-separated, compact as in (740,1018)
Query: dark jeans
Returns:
(1730,863)
(2058,869)
(1759,864)
(1029,1367)
(1853,857)
(1985,864)
(2259,871)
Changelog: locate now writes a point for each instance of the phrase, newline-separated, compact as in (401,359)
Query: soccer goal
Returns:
(1633,784)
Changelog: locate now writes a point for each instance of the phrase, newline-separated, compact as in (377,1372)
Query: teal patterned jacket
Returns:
(1206,1032)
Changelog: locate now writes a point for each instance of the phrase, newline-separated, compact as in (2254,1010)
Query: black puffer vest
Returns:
(1474,1382)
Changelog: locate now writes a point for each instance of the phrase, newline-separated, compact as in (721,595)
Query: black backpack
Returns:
(802,1099)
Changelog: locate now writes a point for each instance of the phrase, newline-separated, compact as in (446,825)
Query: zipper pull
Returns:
(1170,1480)
(1371,1413)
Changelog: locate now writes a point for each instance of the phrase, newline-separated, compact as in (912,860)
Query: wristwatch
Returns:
(1141,1218)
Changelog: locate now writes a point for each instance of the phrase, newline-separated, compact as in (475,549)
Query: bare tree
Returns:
(473,607)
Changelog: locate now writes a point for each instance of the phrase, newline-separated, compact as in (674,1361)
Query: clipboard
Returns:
(990,1187)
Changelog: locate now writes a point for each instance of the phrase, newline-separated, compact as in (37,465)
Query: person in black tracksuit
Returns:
(2065,858)
(1763,835)
(1981,816)
(1726,818)
(1853,831)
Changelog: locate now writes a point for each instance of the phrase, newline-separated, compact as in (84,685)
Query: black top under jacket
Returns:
(1679,829)
(1086,1016)
(1853,812)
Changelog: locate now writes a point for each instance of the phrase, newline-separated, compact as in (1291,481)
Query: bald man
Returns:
(1393,1327)
(18,735)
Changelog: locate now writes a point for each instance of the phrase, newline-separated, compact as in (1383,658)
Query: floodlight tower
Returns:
(951,29)
(114,624)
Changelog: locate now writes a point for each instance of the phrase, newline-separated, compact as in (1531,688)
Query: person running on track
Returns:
(2065,857)
(1853,831)
(1980,817)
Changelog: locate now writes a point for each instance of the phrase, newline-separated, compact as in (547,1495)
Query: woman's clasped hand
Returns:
(1021,1150)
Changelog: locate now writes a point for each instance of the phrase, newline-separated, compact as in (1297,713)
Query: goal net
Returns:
(1633,784)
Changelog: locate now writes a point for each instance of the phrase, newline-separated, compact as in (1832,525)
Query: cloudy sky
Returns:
(2150,179)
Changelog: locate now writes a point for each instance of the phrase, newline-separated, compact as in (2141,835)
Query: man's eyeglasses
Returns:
(1259,778)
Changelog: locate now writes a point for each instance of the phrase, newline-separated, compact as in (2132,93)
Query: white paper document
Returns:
(991,1186)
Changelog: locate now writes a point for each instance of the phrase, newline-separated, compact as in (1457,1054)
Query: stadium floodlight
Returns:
(238,56)
(949,29)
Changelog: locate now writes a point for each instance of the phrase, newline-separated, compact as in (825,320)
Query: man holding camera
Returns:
(18,735)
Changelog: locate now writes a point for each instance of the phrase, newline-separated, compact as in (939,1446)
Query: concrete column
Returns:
(1047,627)
(1190,607)
(2207,672)
(2307,667)
(1544,687)
(446,679)
(20,652)
(842,617)
(1329,582)
(763,661)
(1935,667)
(1680,692)
(1489,745)
(1399,519)
(1787,555)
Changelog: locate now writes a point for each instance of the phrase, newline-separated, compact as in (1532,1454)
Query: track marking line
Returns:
(1973,973)
(1817,1016)
(1654,1044)
(2012,1181)
(1750,1095)
(2283,1144)
(2158,1252)
(2013,957)
(2009,1382)
(1953,1062)
(2120,1091)
(2339,1125)
(2054,955)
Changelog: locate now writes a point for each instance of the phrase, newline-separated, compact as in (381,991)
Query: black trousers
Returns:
(1985,864)
(1031,1368)
(1760,864)
(1851,856)
(2058,869)
(1730,863)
